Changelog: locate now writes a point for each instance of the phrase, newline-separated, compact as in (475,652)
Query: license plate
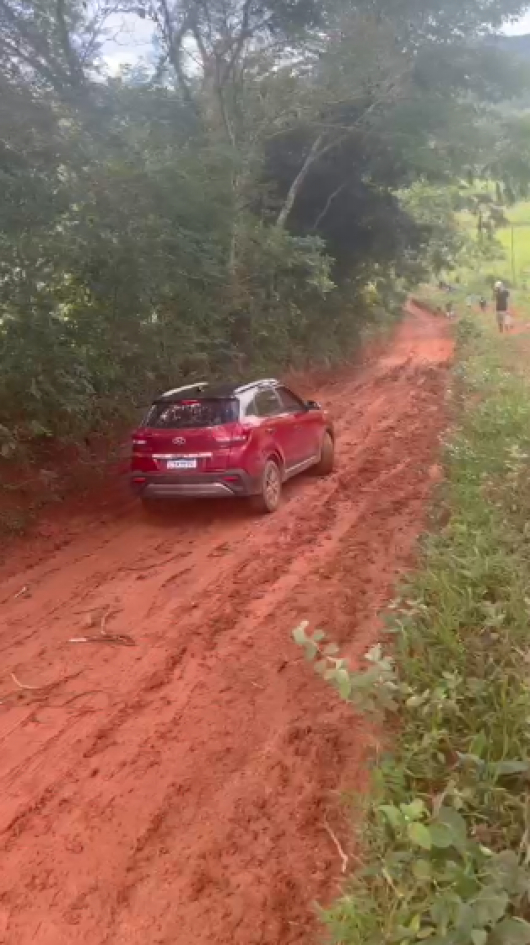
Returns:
(182,464)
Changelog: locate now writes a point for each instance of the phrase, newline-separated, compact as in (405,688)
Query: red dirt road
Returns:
(178,791)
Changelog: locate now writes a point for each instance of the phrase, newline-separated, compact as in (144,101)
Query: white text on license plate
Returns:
(182,464)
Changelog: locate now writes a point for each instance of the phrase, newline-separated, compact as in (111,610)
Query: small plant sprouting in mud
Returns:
(373,690)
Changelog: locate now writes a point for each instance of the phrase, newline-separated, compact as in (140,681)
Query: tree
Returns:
(232,208)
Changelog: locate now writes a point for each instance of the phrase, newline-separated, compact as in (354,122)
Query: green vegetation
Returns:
(515,241)
(446,843)
(510,248)
(249,196)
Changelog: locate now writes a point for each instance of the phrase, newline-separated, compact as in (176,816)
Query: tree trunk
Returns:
(297,183)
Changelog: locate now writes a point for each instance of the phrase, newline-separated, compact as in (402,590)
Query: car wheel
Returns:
(326,463)
(268,498)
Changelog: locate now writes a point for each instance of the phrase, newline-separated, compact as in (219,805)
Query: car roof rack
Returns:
(199,386)
(265,382)
(218,390)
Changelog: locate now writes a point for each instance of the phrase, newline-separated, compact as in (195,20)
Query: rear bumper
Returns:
(229,484)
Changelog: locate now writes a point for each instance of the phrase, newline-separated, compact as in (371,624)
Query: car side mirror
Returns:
(313,405)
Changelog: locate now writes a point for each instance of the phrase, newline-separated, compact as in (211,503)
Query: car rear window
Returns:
(186,414)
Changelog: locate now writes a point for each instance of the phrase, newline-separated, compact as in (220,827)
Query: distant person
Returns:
(449,310)
(502,298)
(483,304)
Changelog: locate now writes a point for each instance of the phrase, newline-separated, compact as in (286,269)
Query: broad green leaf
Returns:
(318,636)
(454,820)
(392,814)
(442,911)
(299,633)
(450,818)
(490,905)
(479,937)
(465,919)
(420,835)
(506,859)
(344,684)
(422,870)
(441,836)
(511,932)
(414,810)
(311,650)
(504,871)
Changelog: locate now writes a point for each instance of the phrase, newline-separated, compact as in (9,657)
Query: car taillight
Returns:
(236,437)
(239,438)
(140,443)
(142,453)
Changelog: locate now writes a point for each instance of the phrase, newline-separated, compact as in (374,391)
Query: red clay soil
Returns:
(179,791)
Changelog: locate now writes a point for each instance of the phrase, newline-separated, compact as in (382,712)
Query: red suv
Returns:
(229,440)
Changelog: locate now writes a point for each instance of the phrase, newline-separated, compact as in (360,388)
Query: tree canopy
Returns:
(224,206)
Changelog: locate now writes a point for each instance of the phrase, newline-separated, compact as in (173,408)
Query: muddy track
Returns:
(178,791)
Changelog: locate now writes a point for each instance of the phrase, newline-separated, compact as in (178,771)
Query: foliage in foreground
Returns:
(446,844)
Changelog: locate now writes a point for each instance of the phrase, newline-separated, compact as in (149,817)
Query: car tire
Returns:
(270,490)
(326,463)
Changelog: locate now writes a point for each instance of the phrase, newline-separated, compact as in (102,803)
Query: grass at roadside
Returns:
(446,842)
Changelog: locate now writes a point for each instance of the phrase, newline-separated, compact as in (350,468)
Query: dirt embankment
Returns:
(179,791)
